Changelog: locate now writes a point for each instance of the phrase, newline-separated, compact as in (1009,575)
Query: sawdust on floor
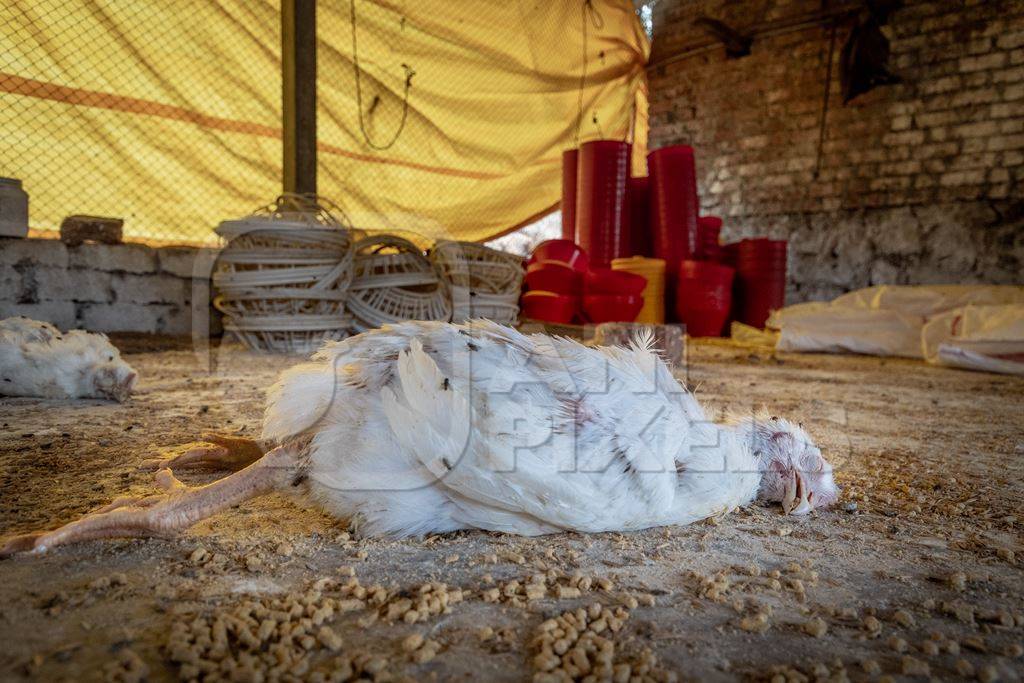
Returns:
(915,573)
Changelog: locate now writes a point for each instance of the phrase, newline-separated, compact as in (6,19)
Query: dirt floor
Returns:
(916,573)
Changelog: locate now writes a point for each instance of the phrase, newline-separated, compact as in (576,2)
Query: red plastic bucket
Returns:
(709,228)
(602,209)
(760,283)
(762,259)
(674,208)
(704,297)
(639,216)
(761,248)
(705,270)
(569,162)
(757,294)
(730,253)
(760,266)
(673,203)
(759,299)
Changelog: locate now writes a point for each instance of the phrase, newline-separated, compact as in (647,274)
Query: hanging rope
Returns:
(824,105)
(409,73)
(598,22)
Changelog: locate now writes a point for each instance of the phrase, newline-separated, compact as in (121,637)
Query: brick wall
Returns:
(104,288)
(918,183)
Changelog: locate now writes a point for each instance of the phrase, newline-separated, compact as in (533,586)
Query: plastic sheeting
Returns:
(168,113)
(979,327)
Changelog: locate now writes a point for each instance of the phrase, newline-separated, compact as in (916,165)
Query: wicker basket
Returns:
(485,282)
(283,276)
(482,269)
(469,305)
(394,282)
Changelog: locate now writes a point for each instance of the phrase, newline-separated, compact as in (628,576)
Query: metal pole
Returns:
(298,95)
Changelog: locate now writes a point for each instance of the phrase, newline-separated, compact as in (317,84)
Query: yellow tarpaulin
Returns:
(169,113)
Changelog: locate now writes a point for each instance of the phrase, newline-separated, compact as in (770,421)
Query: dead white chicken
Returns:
(430,427)
(36,359)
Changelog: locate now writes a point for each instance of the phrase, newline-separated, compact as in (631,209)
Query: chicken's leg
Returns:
(178,508)
(215,451)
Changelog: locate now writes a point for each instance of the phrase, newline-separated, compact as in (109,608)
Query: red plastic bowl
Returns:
(566,251)
(553,276)
(605,308)
(549,306)
(613,282)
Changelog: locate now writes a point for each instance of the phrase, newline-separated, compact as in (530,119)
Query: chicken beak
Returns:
(796,502)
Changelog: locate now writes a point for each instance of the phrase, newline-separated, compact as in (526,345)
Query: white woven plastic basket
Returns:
(394,282)
(485,282)
(482,269)
(282,278)
(468,305)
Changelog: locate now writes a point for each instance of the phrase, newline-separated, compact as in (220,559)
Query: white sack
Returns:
(890,320)
(989,338)
(849,330)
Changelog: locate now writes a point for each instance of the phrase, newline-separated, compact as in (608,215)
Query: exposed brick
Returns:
(33,251)
(973,177)
(1013,93)
(937,118)
(1013,158)
(149,289)
(1001,143)
(59,313)
(125,317)
(1010,75)
(73,284)
(901,123)
(1008,41)
(115,258)
(183,261)
(950,136)
(940,85)
(989,61)
(1015,125)
(99,290)
(1002,111)
(910,137)
(971,97)
(10,282)
(974,130)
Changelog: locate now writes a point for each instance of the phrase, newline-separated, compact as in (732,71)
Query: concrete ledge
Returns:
(107,287)
(190,262)
(117,258)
